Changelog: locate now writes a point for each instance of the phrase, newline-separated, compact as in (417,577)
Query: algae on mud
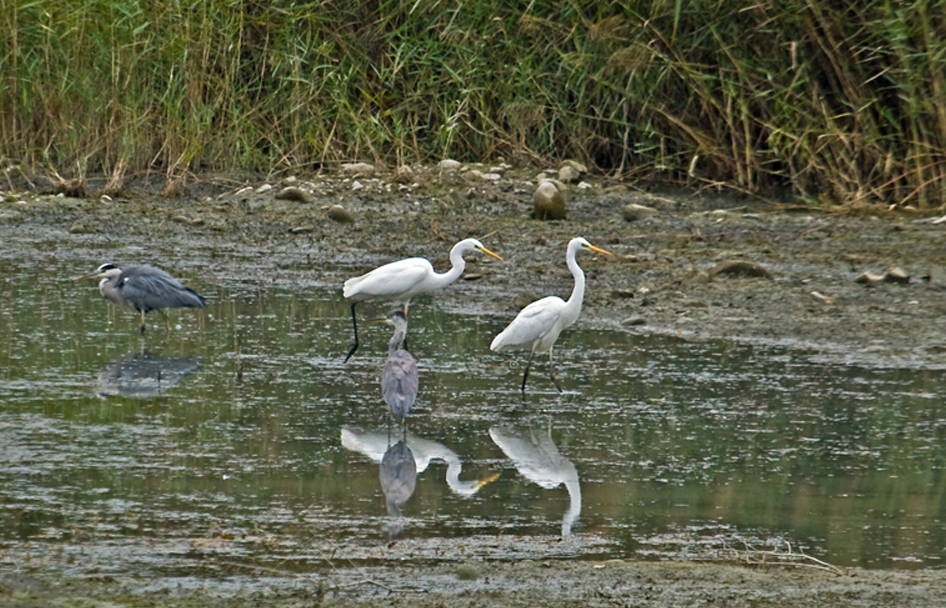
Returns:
(247,243)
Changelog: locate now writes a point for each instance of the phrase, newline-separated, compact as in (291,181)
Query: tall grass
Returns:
(844,103)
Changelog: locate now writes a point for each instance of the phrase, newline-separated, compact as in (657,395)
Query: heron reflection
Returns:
(536,457)
(373,444)
(143,374)
(398,479)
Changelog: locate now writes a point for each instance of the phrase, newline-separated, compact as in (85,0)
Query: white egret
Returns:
(144,288)
(538,325)
(402,280)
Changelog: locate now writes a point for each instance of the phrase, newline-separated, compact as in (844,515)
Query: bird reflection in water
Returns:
(536,457)
(398,480)
(143,374)
(373,444)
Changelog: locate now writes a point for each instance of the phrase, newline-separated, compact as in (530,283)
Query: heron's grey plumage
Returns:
(399,380)
(398,480)
(144,288)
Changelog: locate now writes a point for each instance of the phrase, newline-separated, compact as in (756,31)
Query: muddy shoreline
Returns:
(669,275)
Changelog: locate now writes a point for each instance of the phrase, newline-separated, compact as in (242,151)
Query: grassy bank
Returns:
(843,102)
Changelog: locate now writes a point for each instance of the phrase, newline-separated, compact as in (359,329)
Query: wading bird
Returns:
(400,281)
(144,288)
(399,381)
(538,325)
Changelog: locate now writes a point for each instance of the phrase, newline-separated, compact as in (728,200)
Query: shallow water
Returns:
(240,443)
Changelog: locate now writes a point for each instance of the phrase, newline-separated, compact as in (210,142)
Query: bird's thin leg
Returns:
(525,374)
(142,322)
(404,344)
(553,374)
(167,325)
(354,324)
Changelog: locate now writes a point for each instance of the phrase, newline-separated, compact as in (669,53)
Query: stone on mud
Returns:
(548,202)
(633,212)
(292,193)
(340,214)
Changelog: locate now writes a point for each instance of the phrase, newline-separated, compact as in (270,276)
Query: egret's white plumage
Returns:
(538,325)
(400,281)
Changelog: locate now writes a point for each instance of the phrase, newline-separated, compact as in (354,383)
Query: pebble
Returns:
(490,177)
(633,212)
(548,202)
(357,185)
(264,188)
(358,168)
(448,164)
(740,268)
(292,193)
(897,275)
(635,320)
(340,215)
(869,278)
(568,174)
(467,572)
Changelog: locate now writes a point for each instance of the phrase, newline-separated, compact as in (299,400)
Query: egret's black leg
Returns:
(525,375)
(354,324)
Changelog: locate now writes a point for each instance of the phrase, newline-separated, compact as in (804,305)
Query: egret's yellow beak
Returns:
(483,482)
(598,250)
(488,252)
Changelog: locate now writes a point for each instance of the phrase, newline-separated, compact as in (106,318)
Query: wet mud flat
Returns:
(697,267)
(525,583)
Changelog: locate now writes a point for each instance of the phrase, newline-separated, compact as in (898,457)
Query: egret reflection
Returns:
(143,374)
(398,480)
(536,457)
(373,444)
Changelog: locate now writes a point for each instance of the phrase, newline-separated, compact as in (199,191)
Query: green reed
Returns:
(843,104)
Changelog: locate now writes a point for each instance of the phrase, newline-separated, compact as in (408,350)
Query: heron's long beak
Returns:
(483,482)
(488,252)
(91,275)
(599,250)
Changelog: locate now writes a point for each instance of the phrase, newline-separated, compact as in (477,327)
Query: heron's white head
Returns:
(105,272)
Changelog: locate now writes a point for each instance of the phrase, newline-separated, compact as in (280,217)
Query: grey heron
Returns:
(144,288)
(398,476)
(399,379)
(538,325)
(400,281)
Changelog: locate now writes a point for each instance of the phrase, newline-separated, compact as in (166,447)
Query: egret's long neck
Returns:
(573,306)
(456,258)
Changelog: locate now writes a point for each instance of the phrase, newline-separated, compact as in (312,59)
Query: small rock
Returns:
(491,177)
(198,221)
(448,164)
(292,193)
(635,320)
(104,198)
(574,165)
(869,278)
(357,185)
(568,174)
(740,268)
(623,293)
(896,275)
(467,572)
(340,215)
(358,168)
(264,188)
(472,277)
(633,212)
(80,228)
(290,180)
(548,202)
(300,230)
(584,186)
